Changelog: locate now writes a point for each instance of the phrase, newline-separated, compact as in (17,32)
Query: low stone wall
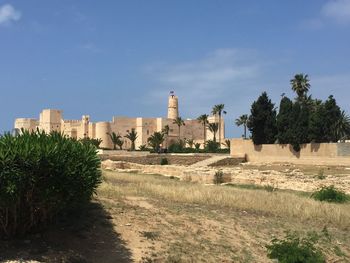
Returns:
(312,153)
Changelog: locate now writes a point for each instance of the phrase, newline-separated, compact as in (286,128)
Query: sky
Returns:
(122,58)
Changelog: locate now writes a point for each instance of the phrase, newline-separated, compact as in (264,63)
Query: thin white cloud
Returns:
(230,76)
(338,10)
(9,14)
(333,11)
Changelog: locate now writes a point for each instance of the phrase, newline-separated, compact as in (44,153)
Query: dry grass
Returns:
(276,203)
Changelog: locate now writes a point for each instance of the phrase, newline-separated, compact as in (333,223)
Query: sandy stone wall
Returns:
(312,153)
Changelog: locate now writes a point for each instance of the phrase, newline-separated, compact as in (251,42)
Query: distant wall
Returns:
(312,153)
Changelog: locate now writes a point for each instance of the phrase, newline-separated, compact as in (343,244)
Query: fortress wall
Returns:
(210,135)
(312,153)
(71,129)
(50,120)
(122,125)
(92,130)
(149,126)
(26,124)
(102,131)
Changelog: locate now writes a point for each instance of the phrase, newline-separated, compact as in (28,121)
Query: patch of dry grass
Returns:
(282,204)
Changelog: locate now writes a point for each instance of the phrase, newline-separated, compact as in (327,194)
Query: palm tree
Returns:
(166,129)
(179,122)
(219,110)
(204,120)
(132,136)
(300,85)
(342,126)
(115,138)
(227,143)
(190,142)
(155,140)
(243,120)
(213,127)
(120,144)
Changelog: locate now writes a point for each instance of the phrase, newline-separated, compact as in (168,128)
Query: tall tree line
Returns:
(303,120)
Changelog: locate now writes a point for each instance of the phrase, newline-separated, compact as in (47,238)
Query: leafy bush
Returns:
(218,177)
(211,146)
(144,148)
(321,175)
(330,194)
(164,161)
(177,147)
(294,249)
(42,176)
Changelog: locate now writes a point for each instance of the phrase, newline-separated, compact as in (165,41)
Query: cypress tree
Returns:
(262,121)
(284,121)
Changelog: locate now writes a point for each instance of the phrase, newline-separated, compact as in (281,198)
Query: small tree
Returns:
(155,140)
(227,144)
(219,110)
(120,144)
(115,138)
(203,119)
(243,120)
(179,122)
(132,136)
(213,127)
(190,142)
(262,121)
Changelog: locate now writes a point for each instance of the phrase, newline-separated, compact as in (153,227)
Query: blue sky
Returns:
(106,58)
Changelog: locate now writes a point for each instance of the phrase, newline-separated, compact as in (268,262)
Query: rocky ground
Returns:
(306,178)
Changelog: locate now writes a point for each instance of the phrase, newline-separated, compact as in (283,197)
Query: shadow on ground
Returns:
(83,238)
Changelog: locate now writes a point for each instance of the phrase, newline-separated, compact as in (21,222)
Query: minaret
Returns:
(173,106)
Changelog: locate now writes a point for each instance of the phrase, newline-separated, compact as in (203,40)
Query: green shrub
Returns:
(42,176)
(211,146)
(143,148)
(94,142)
(218,177)
(321,175)
(177,147)
(164,161)
(293,249)
(330,194)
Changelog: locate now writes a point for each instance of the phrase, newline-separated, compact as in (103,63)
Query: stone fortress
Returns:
(52,120)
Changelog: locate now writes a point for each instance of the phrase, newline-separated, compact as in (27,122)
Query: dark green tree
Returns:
(342,127)
(284,121)
(332,117)
(299,125)
(262,121)
(324,121)
(156,139)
